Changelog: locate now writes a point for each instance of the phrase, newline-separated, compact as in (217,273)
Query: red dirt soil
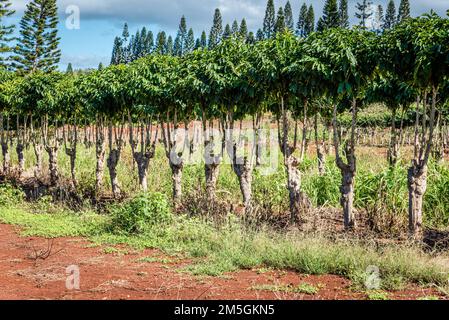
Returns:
(117,276)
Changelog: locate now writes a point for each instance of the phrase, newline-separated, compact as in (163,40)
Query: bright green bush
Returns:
(144,211)
(10,195)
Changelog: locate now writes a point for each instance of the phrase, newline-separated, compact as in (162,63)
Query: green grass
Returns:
(304,288)
(378,295)
(232,247)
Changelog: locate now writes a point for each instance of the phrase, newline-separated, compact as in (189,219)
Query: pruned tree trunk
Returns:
(320,149)
(113,159)
(212,171)
(393,150)
(70,150)
(299,201)
(22,140)
(147,149)
(347,197)
(348,170)
(51,145)
(212,159)
(100,151)
(112,162)
(38,151)
(53,164)
(176,170)
(5,145)
(175,159)
(21,158)
(417,173)
(417,186)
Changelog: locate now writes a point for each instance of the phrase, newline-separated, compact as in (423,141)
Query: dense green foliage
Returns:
(38,44)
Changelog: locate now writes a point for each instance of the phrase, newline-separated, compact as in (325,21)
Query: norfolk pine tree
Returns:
(288,13)
(404,10)
(363,12)
(300,26)
(5,31)
(37,48)
(216,30)
(390,16)
(269,22)
(343,14)
(331,17)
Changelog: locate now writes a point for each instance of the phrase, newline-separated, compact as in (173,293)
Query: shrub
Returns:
(10,195)
(140,213)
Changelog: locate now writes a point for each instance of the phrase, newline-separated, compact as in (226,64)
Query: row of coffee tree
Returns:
(294,79)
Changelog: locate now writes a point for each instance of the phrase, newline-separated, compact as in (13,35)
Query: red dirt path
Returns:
(121,276)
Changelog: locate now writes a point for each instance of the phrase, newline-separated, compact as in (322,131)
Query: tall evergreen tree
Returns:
(390,16)
(169,46)
(331,18)
(6,31)
(149,42)
(227,33)
(260,35)
(69,69)
(404,10)
(235,28)
(100,66)
(379,18)
(117,53)
(177,46)
(321,25)
(37,48)
(269,22)
(125,32)
(309,26)
(343,14)
(251,39)
(182,34)
(363,12)
(197,43)
(190,41)
(142,43)
(300,26)
(125,52)
(203,40)
(288,13)
(243,30)
(161,43)
(280,21)
(217,30)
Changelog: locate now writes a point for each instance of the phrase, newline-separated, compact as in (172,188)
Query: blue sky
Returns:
(102,20)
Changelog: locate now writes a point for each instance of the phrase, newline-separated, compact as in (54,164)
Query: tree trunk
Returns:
(38,151)
(143,162)
(21,158)
(53,165)
(347,197)
(348,170)
(298,200)
(71,152)
(99,171)
(393,150)
(176,170)
(319,149)
(245,178)
(112,162)
(212,172)
(417,185)
(6,158)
